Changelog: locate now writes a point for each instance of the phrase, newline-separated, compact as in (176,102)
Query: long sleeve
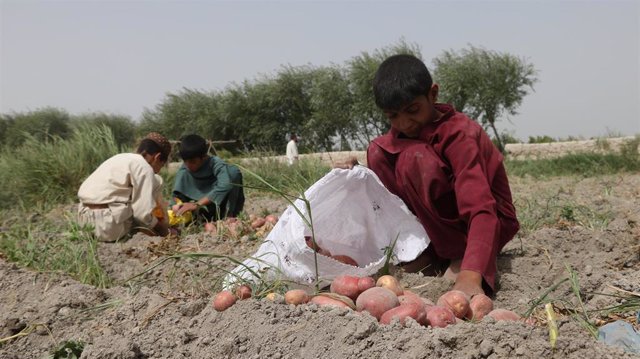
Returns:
(475,202)
(144,190)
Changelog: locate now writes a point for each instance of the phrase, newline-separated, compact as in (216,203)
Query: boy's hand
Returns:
(469,282)
(348,164)
(187,207)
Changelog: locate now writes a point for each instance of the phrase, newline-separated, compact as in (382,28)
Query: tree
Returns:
(484,84)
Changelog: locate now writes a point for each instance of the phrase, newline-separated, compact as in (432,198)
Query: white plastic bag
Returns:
(353,214)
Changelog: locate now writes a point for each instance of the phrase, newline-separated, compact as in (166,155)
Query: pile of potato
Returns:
(386,300)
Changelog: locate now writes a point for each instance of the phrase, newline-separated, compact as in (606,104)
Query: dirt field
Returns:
(164,313)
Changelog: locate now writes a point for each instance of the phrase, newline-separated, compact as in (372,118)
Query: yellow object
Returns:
(551,323)
(185,218)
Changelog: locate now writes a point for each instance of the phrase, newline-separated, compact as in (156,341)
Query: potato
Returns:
(456,301)
(296,296)
(322,301)
(401,312)
(243,292)
(427,302)
(504,314)
(273,219)
(224,300)
(259,222)
(410,298)
(316,247)
(345,259)
(365,283)
(210,227)
(275,297)
(479,306)
(376,301)
(346,285)
(440,317)
(391,283)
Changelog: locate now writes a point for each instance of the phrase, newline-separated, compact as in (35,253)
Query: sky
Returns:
(123,57)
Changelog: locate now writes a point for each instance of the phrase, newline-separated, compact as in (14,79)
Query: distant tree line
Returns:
(330,107)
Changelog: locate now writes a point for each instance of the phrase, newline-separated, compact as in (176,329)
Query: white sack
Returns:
(354,215)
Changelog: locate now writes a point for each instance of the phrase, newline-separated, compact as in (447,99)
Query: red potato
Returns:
(404,311)
(479,306)
(296,296)
(243,292)
(322,301)
(273,219)
(224,300)
(410,298)
(210,227)
(259,222)
(390,282)
(316,247)
(427,302)
(345,259)
(376,301)
(365,283)
(504,314)
(440,317)
(456,301)
(346,285)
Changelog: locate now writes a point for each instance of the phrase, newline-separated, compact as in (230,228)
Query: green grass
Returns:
(51,171)
(580,164)
(54,246)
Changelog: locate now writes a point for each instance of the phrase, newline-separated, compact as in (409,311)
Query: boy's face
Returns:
(155,162)
(194,164)
(413,116)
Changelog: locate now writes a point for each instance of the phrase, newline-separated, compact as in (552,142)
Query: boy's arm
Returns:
(477,207)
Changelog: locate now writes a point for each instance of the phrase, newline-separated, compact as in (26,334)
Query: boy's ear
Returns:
(433,93)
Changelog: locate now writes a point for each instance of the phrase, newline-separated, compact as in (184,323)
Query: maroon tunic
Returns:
(453,179)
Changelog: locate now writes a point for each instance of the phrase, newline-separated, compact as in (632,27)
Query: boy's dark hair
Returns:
(192,146)
(399,80)
(154,143)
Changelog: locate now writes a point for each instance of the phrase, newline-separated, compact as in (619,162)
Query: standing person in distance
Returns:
(292,150)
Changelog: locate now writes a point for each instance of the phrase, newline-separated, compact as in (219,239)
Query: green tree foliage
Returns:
(122,127)
(485,84)
(40,124)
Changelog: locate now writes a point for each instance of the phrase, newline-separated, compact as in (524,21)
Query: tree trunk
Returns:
(495,133)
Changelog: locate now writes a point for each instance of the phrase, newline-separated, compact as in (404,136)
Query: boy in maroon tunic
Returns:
(448,172)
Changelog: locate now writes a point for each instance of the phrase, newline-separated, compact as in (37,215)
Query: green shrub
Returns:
(52,170)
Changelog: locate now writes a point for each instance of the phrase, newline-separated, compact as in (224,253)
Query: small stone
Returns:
(486,347)
(242,349)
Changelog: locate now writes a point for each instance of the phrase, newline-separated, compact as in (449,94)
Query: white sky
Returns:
(124,56)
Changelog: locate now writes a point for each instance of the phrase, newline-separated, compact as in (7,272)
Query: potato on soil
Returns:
(403,311)
(210,227)
(345,259)
(273,219)
(390,282)
(296,296)
(346,285)
(365,283)
(456,301)
(376,301)
(257,223)
(243,292)
(479,306)
(438,316)
(224,300)
(322,301)
(504,314)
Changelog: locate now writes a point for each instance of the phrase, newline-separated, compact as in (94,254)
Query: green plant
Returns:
(69,349)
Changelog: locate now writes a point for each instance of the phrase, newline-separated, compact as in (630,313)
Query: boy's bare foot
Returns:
(452,271)
(469,282)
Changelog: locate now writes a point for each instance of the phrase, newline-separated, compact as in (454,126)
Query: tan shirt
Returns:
(124,178)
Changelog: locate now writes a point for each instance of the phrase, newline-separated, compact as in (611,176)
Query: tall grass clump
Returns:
(582,164)
(55,247)
(292,179)
(51,171)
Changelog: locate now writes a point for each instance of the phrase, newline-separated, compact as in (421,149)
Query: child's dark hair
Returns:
(399,80)
(192,146)
(153,143)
